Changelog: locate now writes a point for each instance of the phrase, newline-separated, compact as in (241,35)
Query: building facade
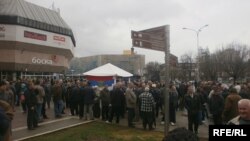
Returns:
(132,63)
(33,40)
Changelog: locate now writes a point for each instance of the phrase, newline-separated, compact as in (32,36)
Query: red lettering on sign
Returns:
(59,38)
(34,35)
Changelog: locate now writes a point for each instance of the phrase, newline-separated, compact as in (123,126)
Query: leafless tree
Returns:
(209,67)
(186,66)
(152,70)
(234,60)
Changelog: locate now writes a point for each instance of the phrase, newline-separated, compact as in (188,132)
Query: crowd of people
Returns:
(224,104)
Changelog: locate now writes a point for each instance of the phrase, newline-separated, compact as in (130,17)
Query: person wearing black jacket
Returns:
(31,100)
(117,99)
(74,98)
(89,96)
(216,106)
(193,105)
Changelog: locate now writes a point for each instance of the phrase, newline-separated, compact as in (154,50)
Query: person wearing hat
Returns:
(147,104)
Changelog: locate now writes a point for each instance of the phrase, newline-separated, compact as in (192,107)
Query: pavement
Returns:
(20,131)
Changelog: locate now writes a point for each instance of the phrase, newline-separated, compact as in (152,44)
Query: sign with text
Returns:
(59,38)
(141,43)
(150,39)
(36,36)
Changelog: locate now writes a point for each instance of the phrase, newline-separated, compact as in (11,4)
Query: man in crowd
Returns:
(244,113)
(131,104)
(147,104)
(57,98)
(193,106)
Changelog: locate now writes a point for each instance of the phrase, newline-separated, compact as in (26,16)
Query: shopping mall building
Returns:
(33,40)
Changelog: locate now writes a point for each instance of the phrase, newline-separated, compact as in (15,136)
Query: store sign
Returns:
(59,38)
(36,60)
(34,35)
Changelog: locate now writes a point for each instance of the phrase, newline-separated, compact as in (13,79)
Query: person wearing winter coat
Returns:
(216,105)
(231,104)
(193,105)
(131,104)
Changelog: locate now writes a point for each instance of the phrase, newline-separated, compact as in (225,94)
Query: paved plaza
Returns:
(20,131)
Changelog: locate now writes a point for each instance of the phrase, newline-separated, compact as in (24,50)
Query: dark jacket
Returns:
(193,105)
(75,95)
(117,97)
(57,92)
(89,95)
(30,97)
(173,99)
(105,97)
(216,104)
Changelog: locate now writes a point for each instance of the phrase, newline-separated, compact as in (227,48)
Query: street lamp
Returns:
(198,47)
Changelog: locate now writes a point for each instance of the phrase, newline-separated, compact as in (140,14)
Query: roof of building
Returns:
(23,13)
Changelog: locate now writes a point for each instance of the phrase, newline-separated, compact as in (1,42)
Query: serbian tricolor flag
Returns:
(100,80)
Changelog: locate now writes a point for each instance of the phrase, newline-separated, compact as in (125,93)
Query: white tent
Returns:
(108,70)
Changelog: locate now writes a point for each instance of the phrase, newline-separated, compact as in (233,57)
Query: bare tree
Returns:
(186,66)
(234,60)
(153,71)
(209,67)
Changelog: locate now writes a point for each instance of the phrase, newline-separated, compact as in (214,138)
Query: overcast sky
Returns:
(104,26)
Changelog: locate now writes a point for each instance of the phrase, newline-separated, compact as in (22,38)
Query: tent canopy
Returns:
(108,70)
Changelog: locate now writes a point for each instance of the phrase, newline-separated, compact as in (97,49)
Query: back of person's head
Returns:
(181,134)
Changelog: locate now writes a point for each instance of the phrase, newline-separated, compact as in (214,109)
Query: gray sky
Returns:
(104,26)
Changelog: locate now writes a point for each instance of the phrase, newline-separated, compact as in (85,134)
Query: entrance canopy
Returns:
(108,70)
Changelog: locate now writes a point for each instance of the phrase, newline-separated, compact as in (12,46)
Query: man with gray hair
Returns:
(244,113)
(193,105)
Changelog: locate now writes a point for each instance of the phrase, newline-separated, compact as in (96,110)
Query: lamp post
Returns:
(198,48)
